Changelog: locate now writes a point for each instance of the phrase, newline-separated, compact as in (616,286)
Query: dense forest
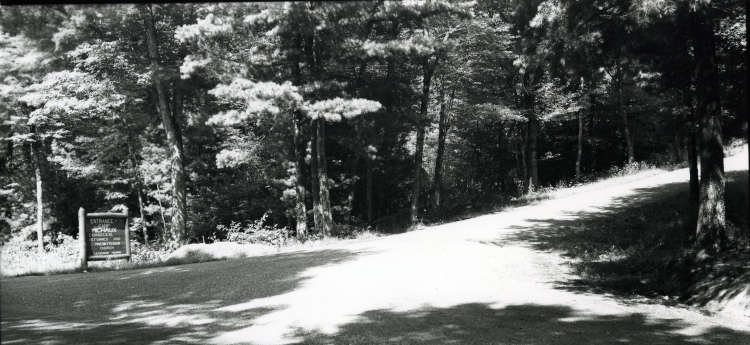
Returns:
(326,118)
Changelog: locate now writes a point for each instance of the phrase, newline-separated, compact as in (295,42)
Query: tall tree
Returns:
(443,127)
(711,227)
(427,47)
(169,116)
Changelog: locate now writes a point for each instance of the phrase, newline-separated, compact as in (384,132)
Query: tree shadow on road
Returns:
(639,246)
(476,323)
(169,305)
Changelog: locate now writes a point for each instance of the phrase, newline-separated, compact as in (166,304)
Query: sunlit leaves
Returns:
(191,64)
(104,59)
(501,111)
(644,10)
(548,11)
(338,108)
(556,101)
(248,99)
(18,54)
(65,155)
(238,149)
(206,27)
(70,95)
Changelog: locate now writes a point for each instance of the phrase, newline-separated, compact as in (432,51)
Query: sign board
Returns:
(106,236)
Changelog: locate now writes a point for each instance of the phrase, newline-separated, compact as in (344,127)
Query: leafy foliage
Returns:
(516,89)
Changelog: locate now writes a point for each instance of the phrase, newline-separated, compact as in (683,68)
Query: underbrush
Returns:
(495,203)
(23,257)
(634,169)
(20,257)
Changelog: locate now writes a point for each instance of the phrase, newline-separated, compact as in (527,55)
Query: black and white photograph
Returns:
(500,172)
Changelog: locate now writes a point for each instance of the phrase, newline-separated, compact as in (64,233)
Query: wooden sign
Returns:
(105,236)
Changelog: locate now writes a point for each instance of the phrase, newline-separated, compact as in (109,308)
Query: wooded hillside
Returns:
(326,118)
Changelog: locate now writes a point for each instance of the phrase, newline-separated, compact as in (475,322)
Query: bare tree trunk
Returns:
(368,189)
(325,198)
(624,116)
(579,153)
(692,155)
(317,210)
(352,189)
(139,190)
(299,153)
(421,121)
(747,105)
(6,169)
(178,235)
(437,185)
(693,168)
(591,132)
(299,163)
(533,167)
(711,226)
(165,231)
(322,211)
(144,228)
(524,161)
(38,151)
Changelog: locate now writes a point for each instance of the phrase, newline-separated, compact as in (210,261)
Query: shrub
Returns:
(256,232)
(21,256)
(628,169)
(154,253)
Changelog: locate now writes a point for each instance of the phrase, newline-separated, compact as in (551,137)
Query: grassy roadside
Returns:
(22,258)
(640,248)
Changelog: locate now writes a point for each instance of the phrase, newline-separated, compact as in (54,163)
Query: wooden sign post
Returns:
(104,236)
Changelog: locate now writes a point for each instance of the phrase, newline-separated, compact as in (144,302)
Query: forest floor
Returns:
(524,275)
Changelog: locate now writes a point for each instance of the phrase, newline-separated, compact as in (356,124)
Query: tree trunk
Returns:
(368,189)
(532,166)
(624,116)
(325,198)
(711,226)
(693,169)
(579,153)
(322,211)
(139,190)
(591,131)
(747,105)
(299,153)
(144,228)
(351,194)
(524,161)
(317,209)
(437,185)
(37,149)
(164,234)
(299,164)
(421,121)
(178,234)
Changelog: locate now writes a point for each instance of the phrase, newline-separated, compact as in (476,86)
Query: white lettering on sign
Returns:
(104,230)
(107,236)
